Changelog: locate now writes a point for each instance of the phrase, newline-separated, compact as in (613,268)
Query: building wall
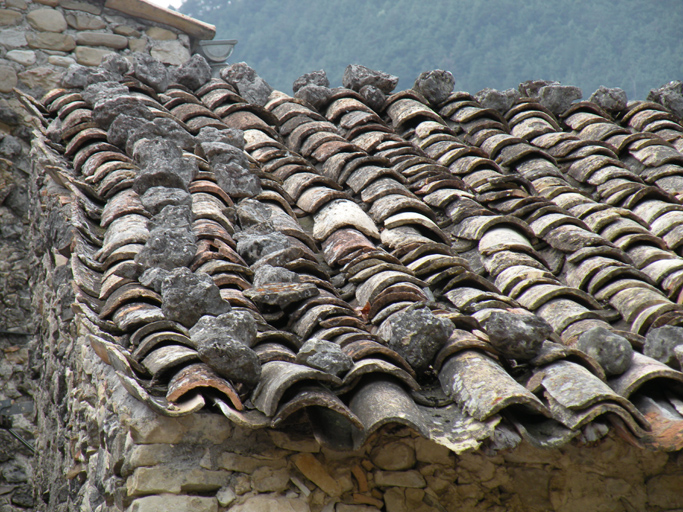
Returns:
(38,41)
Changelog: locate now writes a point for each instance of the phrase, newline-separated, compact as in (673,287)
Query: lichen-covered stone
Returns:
(558,98)
(669,95)
(613,352)
(417,334)
(107,111)
(187,296)
(223,343)
(238,324)
(168,248)
(373,97)
(267,274)
(162,164)
(252,213)
(165,128)
(500,101)
(231,359)
(150,71)
(435,85)
(217,152)
(253,246)
(153,278)
(356,76)
(172,217)
(231,136)
(192,74)
(530,88)
(123,125)
(102,90)
(318,78)
(250,86)
(116,63)
(613,100)
(660,344)
(316,95)
(517,335)
(281,294)
(156,198)
(237,181)
(325,356)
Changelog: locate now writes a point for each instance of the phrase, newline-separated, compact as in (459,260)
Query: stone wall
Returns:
(38,41)
(41,38)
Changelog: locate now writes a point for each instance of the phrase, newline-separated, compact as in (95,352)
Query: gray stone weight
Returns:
(373,97)
(250,86)
(192,74)
(325,356)
(517,335)
(187,296)
(660,344)
(613,352)
(318,78)
(435,85)
(356,76)
(150,71)
(240,325)
(416,334)
(612,100)
(500,101)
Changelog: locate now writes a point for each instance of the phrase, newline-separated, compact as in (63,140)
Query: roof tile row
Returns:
(439,265)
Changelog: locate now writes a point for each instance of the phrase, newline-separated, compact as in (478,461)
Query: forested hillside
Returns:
(632,44)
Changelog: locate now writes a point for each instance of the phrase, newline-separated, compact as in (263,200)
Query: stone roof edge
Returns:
(146,10)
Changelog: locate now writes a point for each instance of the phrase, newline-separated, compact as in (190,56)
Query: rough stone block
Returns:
(87,56)
(394,456)
(266,479)
(174,480)
(8,78)
(665,491)
(84,22)
(12,38)
(170,52)
(400,479)
(247,464)
(293,442)
(102,39)
(316,473)
(75,5)
(271,504)
(164,503)
(58,60)
(51,41)
(429,451)
(160,34)
(147,455)
(9,17)
(40,78)
(23,57)
(47,20)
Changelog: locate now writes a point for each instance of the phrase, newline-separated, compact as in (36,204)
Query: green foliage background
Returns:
(632,44)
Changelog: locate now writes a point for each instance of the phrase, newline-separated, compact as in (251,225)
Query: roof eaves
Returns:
(148,11)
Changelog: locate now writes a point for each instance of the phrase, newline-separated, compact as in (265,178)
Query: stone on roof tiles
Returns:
(250,86)
(356,76)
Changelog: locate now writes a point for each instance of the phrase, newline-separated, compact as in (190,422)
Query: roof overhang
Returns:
(148,11)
